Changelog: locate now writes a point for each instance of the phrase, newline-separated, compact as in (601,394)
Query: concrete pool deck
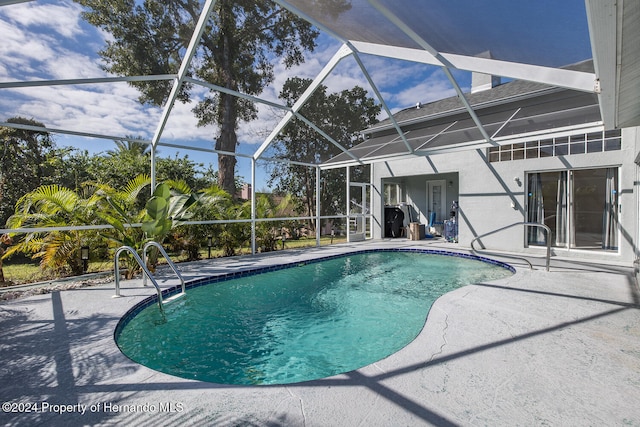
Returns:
(537,348)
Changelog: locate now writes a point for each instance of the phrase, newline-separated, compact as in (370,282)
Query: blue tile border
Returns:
(137,308)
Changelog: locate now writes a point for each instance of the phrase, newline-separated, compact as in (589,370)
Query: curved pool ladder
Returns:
(526,224)
(171,264)
(146,273)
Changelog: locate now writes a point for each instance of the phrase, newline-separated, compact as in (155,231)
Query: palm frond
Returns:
(179,186)
(133,188)
(53,199)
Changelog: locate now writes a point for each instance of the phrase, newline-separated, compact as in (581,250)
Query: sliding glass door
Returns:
(547,204)
(580,207)
(595,213)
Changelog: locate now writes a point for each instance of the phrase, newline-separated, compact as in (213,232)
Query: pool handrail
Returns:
(526,224)
(171,264)
(116,272)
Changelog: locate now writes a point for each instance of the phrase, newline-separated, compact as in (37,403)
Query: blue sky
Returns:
(49,40)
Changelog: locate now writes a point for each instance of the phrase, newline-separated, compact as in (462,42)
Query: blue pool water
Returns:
(297,324)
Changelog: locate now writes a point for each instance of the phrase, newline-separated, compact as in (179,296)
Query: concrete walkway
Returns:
(539,348)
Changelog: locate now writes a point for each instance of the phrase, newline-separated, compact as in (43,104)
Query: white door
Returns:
(437,199)
(358,211)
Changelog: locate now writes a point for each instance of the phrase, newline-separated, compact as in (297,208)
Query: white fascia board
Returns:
(477,144)
(370,160)
(575,80)
(551,133)
(602,16)
(515,139)
(344,164)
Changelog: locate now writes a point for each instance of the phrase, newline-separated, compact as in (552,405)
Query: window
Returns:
(579,206)
(594,142)
(392,195)
(577,144)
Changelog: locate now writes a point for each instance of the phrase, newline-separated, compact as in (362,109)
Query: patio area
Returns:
(537,348)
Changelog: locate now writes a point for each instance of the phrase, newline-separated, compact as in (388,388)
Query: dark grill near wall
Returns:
(393,222)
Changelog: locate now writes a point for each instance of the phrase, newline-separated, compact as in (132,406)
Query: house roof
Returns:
(514,110)
(503,93)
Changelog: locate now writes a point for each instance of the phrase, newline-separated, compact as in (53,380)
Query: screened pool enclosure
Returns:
(373,42)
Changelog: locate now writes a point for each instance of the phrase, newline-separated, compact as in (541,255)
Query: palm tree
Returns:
(119,208)
(130,146)
(267,231)
(56,206)
(213,203)
(169,206)
(5,242)
(52,206)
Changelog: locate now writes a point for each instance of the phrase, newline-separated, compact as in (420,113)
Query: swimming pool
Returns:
(304,321)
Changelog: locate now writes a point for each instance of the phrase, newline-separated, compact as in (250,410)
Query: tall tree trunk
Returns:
(1,270)
(228,139)
(227,142)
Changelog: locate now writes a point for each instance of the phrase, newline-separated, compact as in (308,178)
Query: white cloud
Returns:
(47,41)
(73,65)
(183,125)
(21,51)
(50,41)
(63,19)
(424,92)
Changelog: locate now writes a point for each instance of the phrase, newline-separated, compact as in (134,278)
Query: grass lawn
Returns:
(25,271)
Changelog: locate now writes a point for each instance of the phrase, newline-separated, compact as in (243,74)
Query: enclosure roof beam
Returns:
(444,63)
(243,155)
(71,132)
(8,2)
(343,52)
(96,80)
(559,77)
(380,98)
(184,67)
(142,141)
(236,93)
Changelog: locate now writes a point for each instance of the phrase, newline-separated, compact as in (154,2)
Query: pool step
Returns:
(174,297)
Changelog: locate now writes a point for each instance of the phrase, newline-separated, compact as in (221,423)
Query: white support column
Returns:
(253,206)
(374,193)
(348,210)
(153,168)
(318,205)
